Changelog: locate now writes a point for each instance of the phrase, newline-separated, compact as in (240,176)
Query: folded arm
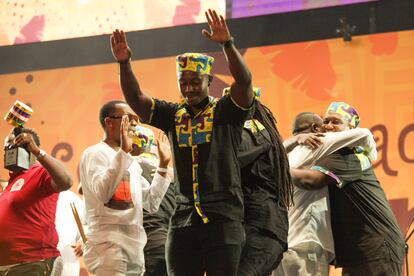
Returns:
(102,175)
(310,179)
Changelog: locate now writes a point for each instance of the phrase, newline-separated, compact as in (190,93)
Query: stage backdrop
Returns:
(372,73)
(27,21)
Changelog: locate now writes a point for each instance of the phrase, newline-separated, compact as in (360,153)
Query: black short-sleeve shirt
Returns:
(363,224)
(204,149)
(260,189)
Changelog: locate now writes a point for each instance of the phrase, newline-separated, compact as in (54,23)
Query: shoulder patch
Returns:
(17,186)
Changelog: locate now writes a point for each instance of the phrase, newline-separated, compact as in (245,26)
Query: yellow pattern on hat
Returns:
(194,62)
(346,111)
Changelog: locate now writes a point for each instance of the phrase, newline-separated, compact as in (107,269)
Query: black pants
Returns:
(214,248)
(154,252)
(40,268)
(374,268)
(261,254)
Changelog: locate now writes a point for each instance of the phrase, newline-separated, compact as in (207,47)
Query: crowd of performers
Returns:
(237,201)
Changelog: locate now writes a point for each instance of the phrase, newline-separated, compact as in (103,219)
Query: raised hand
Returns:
(164,150)
(26,140)
(119,46)
(126,134)
(218,28)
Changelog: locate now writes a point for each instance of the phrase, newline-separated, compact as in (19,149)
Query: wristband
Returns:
(41,154)
(162,170)
(228,43)
(125,61)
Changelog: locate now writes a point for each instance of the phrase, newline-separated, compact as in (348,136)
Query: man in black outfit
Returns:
(206,232)
(267,190)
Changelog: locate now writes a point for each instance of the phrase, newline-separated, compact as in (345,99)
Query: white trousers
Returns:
(308,259)
(109,259)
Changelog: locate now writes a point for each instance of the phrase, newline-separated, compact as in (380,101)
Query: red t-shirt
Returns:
(27,217)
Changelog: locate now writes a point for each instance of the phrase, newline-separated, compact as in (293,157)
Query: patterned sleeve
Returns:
(162,114)
(343,166)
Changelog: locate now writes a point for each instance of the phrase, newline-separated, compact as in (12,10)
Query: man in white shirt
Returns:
(310,239)
(68,232)
(115,194)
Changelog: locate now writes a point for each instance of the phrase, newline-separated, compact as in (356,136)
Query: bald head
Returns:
(306,122)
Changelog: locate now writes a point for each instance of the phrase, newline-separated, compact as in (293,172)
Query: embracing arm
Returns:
(311,140)
(350,138)
(310,179)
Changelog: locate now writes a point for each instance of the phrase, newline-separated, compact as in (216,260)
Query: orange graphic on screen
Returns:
(306,66)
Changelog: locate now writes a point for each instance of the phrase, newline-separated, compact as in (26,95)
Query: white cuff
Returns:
(162,170)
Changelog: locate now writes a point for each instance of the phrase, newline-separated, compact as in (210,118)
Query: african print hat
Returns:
(346,111)
(194,62)
(143,137)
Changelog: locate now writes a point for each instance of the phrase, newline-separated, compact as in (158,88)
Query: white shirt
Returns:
(68,230)
(309,218)
(101,171)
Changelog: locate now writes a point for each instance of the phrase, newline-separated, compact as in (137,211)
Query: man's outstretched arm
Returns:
(241,89)
(310,179)
(136,99)
(310,140)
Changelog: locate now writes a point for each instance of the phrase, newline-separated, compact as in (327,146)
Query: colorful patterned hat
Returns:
(346,111)
(256,90)
(194,62)
(18,114)
(143,137)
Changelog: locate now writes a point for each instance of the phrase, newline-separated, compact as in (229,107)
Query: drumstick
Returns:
(78,221)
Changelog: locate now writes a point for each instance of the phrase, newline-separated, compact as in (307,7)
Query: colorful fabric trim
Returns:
(339,182)
(196,130)
(256,90)
(253,125)
(239,106)
(196,188)
(191,132)
(346,111)
(363,158)
(195,62)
